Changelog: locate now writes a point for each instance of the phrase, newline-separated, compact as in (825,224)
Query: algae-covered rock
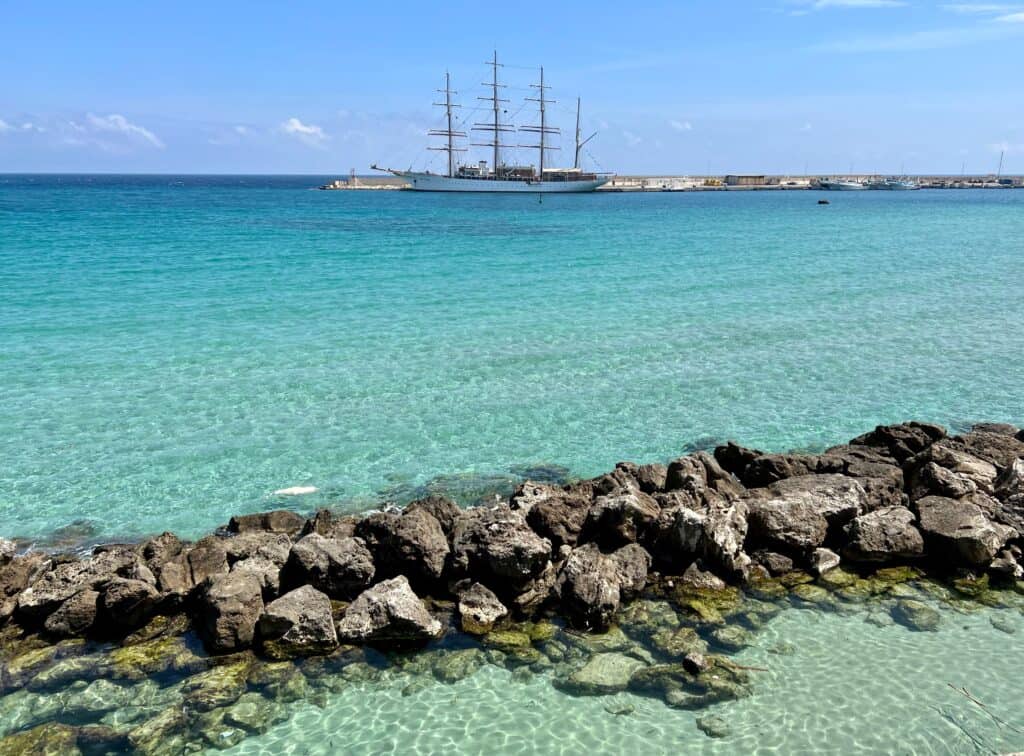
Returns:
(812,594)
(216,687)
(678,643)
(67,670)
(254,713)
(713,726)
(602,675)
(916,615)
(710,606)
(214,731)
(50,739)
(507,640)
(169,653)
(837,578)
(159,734)
(1003,625)
(480,609)
(458,665)
(731,637)
(645,618)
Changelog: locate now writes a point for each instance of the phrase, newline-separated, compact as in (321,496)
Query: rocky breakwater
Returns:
(645,579)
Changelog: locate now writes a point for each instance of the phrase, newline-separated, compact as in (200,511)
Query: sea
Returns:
(175,350)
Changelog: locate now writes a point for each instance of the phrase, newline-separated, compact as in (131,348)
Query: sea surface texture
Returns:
(174,350)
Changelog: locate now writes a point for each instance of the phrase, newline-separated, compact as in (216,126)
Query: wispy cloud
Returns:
(681,125)
(806,127)
(632,139)
(118,124)
(4,126)
(980,9)
(928,39)
(1011,18)
(309,134)
(809,6)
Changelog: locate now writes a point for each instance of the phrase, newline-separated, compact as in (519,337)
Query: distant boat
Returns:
(894,185)
(841,185)
(501,176)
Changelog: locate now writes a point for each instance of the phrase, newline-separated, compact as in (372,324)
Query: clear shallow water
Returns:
(848,687)
(172,351)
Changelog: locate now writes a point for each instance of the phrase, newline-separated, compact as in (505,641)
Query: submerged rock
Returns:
(604,674)
(713,726)
(916,615)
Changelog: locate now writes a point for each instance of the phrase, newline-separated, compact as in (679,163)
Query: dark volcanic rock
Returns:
(298,624)
(734,458)
(497,546)
(593,584)
(277,521)
(75,617)
(57,585)
(554,512)
(412,544)
(903,441)
(443,509)
(340,567)
(388,612)
(620,518)
(326,523)
(229,607)
(957,530)
(887,534)
(128,604)
(951,454)
(992,444)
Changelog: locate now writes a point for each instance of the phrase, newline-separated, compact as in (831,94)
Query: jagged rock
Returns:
(299,623)
(127,604)
(389,611)
(61,582)
(774,562)
(620,518)
(823,560)
(734,458)
(953,456)
(716,534)
(593,584)
(206,558)
(604,674)
(916,615)
(883,535)
(497,546)
(324,522)
(795,514)
(651,477)
(687,474)
(443,509)
(15,576)
(695,577)
(1007,566)
(277,521)
(480,609)
(412,544)
(75,617)
(273,547)
(7,551)
(992,444)
(339,567)
(958,530)
(230,605)
(1011,480)
(931,479)
(901,442)
(554,512)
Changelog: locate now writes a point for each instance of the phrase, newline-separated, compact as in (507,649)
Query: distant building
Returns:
(745,180)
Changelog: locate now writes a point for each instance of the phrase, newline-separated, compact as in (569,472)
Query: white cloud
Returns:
(632,139)
(820,4)
(4,126)
(681,125)
(931,39)
(1011,18)
(980,9)
(309,134)
(806,127)
(118,124)
(241,130)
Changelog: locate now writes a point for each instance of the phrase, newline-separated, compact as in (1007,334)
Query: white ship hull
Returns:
(432,182)
(842,186)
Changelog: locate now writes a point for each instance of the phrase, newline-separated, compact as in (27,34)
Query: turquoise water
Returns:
(174,350)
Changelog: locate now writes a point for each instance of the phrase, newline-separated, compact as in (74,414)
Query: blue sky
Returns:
(683,87)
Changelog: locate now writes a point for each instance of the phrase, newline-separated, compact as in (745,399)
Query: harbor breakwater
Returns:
(648,578)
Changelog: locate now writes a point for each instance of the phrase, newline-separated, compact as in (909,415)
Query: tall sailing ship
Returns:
(499,175)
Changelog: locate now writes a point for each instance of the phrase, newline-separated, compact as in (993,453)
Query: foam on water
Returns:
(174,351)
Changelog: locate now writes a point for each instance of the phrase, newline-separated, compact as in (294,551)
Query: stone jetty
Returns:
(644,578)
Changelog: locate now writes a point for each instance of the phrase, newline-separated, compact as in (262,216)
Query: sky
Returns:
(726,86)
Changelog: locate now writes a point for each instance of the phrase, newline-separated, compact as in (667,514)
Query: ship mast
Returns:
(451,149)
(497,127)
(543,129)
(579,143)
